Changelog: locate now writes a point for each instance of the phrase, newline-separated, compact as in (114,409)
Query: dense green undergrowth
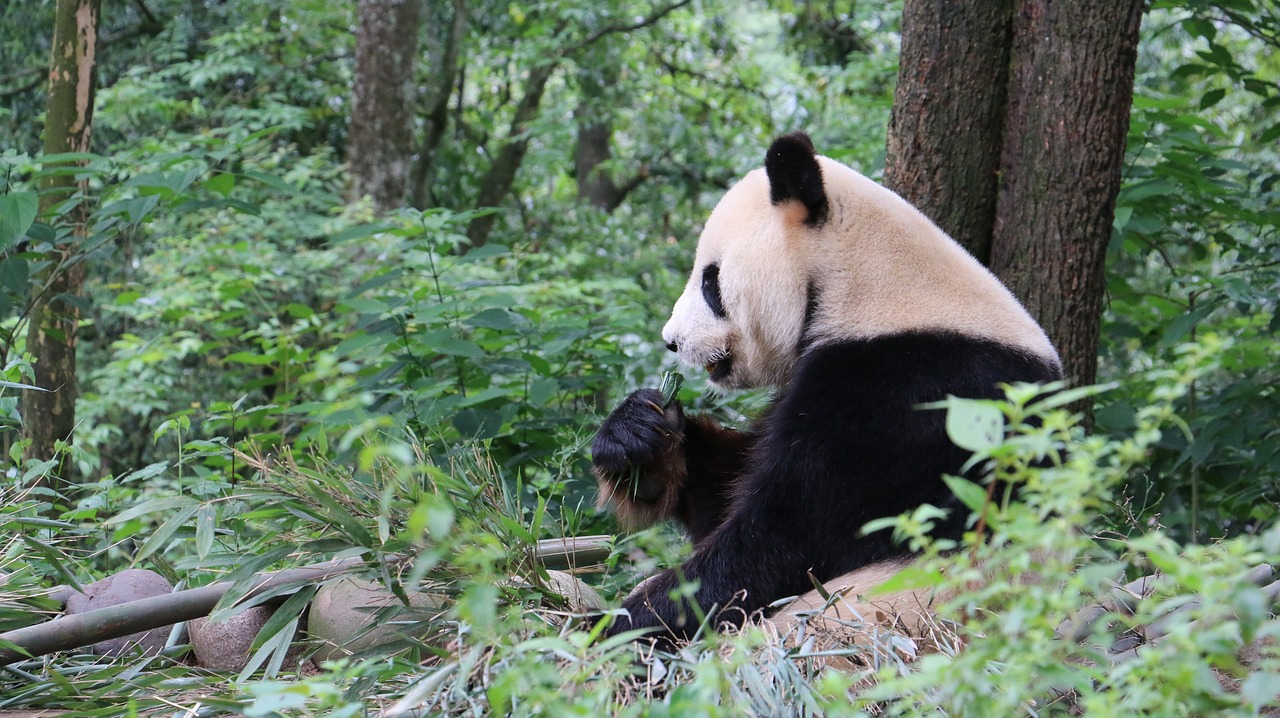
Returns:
(456,528)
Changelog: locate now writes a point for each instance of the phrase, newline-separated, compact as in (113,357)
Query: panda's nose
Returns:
(671,346)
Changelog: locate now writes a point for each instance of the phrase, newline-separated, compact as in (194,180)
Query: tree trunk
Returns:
(595,139)
(1070,91)
(443,72)
(1008,129)
(948,114)
(496,184)
(49,417)
(380,148)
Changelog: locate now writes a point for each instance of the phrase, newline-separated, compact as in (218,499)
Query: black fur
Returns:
(711,289)
(635,434)
(842,444)
(810,311)
(794,174)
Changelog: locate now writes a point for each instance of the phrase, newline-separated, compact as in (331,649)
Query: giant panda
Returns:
(813,279)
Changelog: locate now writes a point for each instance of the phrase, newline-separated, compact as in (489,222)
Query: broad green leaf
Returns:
(974,425)
(14,273)
(222,183)
(499,319)
(542,391)
(250,358)
(17,213)
(55,558)
(276,649)
(145,472)
(16,385)
(359,232)
(485,251)
(1179,328)
(288,612)
(205,520)
(271,181)
(913,577)
(1068,396)
(1211,98)
(973,496)
(456,347)
(1261,688)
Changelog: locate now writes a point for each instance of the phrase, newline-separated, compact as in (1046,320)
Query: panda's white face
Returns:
(810,249)
(742,310)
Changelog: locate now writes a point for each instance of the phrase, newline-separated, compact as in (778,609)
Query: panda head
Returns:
(742,312)
(807,251)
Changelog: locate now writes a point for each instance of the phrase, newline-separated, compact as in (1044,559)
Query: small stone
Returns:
(581,597)
(343,610)
(131,584)
(225,645)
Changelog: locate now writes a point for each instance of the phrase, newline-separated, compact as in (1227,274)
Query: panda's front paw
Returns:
(636,433)
(638,458)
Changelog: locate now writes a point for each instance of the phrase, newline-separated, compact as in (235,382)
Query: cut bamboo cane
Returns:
(81,629)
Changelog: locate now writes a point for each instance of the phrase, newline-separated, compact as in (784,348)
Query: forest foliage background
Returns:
(425,373)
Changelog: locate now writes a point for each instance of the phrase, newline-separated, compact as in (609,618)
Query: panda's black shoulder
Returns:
(847,441)
(916,357)
(877,384)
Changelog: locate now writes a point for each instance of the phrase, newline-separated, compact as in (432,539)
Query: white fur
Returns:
(880,266)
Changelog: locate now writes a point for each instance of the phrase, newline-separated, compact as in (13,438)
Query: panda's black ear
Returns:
(794,175)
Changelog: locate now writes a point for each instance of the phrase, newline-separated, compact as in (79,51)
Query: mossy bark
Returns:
(49,417)
(380,147)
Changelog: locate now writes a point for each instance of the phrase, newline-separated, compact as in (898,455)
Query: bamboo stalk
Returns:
(573,552)
(82,629)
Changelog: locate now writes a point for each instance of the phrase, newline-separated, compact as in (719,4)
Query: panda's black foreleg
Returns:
(715,462)
(653,463)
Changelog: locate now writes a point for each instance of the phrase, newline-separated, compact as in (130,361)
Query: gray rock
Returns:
(343,612)
(581,597)
(129,585)
(225,645)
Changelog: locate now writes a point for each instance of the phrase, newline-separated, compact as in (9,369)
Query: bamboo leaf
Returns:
(149,507)
(205,519)
(166,531)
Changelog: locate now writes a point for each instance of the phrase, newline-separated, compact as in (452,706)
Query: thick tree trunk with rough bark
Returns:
(1021,162)
(49,417)
(1070,92)
(948,114)
(380,146)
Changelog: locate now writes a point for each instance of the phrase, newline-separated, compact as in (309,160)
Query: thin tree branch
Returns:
(146,12)
(436,117)
(31,85)
(1232,17)
(628,27)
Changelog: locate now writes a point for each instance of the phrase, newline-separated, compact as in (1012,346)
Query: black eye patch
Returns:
(711,289)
